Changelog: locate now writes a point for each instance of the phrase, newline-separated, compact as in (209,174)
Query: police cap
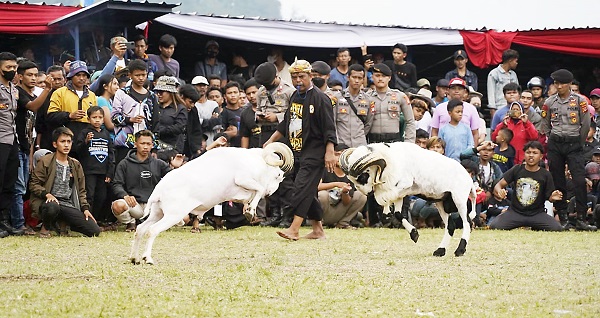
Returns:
(321,67)
(265,73)
(562,76)
(382,68)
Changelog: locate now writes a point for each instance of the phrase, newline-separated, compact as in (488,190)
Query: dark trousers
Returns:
(53,212)
(95,188)
(305,202)
(511,220)
(559,154)
(9,170)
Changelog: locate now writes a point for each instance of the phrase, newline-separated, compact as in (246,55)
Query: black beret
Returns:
(382,68)
(265,73)
(321,67)
(562,76)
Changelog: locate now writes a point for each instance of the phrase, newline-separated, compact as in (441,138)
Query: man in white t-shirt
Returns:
(208,110)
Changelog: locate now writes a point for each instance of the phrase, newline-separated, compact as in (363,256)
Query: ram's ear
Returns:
(363,178)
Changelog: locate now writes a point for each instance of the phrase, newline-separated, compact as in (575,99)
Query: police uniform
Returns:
(281,98)
(384,123)
(566,122)
(350,125)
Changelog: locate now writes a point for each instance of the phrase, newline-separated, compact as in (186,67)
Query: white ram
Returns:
(396,170)
(219,175)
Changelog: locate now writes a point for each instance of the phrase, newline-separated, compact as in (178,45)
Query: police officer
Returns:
(566,122)
(351,112)
(386,105)
(537,86)
(273,99)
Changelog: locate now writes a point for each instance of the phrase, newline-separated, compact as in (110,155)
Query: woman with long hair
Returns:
(170,116)
(107,88)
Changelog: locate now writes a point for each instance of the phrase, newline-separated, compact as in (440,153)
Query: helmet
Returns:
(536,82)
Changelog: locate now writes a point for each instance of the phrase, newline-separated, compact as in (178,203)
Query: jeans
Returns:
(16,210)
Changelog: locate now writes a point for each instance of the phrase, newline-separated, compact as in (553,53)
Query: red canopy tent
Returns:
(17,18)
(485,48)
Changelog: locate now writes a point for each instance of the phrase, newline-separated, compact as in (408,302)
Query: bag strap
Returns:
(355,111)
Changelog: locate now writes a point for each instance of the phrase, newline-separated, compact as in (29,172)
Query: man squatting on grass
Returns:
(308,124)
(533,185)
(58,189)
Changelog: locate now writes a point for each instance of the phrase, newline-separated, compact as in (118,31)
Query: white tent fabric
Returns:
(308,34)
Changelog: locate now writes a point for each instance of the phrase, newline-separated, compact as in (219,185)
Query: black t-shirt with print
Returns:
(531,189)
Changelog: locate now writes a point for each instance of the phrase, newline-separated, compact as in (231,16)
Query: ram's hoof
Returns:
(440,252)
(414,235)
(461,249)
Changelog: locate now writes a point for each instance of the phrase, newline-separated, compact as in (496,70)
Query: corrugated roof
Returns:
(258,18)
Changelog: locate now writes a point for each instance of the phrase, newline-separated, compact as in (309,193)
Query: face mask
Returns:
(271,59)
(212,53)
(9,75)
(319,82)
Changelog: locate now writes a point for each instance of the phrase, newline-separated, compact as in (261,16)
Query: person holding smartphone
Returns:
(523,130)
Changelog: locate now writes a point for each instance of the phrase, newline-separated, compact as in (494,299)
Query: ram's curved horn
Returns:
(344,159)
(284,158)
(366,161)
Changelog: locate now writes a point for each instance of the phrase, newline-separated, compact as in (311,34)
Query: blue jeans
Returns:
(16,211)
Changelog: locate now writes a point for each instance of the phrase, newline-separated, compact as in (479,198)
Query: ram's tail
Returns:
(279,155)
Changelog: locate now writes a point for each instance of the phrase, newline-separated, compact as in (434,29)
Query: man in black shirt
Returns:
(230,116)
(27,105)
(404,73)
(308,124)
(533,185)
(249,130)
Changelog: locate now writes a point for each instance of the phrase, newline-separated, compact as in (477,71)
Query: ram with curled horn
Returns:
(396,170)
(220,175)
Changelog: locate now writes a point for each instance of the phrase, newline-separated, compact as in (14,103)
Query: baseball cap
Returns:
(592,171)
(443,82)
(199,80)
(211,42)
(422,82)
(596,151)
(595,92)
(458,81)
(460,53)
(167,84)
(77,67)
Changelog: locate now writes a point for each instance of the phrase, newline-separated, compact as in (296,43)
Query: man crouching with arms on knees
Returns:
(308,124)
(533,185)
(135,179)
(58,189)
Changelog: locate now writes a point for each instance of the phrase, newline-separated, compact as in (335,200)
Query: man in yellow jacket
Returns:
(69,104)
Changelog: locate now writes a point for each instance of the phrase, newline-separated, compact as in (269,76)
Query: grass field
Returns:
(251,272)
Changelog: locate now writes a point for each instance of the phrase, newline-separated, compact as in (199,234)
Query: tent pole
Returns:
(75,35)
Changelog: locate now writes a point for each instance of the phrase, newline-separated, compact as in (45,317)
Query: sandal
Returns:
(45,234)
(130,227)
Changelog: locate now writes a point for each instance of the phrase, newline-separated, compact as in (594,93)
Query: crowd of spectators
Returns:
(83,150)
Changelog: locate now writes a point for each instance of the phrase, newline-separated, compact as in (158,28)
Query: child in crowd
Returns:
(487,173)
(421,138)
(94,147)
(436,144)
(504,153)
(457,135)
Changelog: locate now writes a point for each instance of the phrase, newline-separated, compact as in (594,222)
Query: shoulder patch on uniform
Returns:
(584,106)
(544,111)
